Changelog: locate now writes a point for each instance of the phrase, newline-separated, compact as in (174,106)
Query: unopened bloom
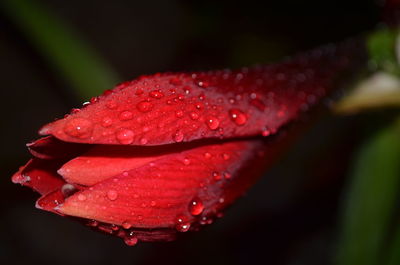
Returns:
(167,153)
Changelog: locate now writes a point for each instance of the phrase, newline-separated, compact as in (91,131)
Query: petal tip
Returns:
(45,130)
(20,178)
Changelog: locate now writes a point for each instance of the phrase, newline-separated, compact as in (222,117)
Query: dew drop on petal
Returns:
(81,197)
(225,156)
(126,225)
(227,175)
(114,227)
(265,132)
(156,94)
(178,136)
(126,115)
(130,239)
(194,115)
(202,84)
(143,141)
(112,195)
(207,155)
(111,104)
(212,123)
(106,122)
(125,136)
(196,206)
(183,227)
(93,223)
(198,106)
(186,161)
(179,113)
(79,128)
(238,116)
(139,91)
(144,106)
(217,176)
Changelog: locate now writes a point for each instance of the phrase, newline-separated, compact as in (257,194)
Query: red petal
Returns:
(168,108)
(105,161)
(155,195)
(40,175)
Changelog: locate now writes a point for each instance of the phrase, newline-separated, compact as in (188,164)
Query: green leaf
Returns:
(78,64)
(381,45)
(371,199)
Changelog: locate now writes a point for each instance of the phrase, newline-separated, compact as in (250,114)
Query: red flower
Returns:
(169,152)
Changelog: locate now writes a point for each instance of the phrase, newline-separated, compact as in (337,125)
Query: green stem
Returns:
(371,199)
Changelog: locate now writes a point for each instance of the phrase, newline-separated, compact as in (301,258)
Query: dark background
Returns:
(289,217)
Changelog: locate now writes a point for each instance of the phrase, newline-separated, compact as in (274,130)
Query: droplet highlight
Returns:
(125,136)
(79,128)
(112,195)
(196,206)
(238,116)
(212,123)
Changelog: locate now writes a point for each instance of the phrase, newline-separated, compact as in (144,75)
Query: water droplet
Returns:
(143,141)
(130,239)
(238,116)
(139,91)
(125,115)
(81,197)
(125,136)
(126,225)
(207,155)
(68,189)
(114,227)
(198,106)
(153,203)
(93,223)
(196,206)
(183,227)
(212,123)
(179,113)
(144,106)
(178,136)
(156,94)
(202,84)
(227,175)
(226,156)
(111,104)
(265,132)
(194,115)
(79,128)
(106,122)
(187,90)
(186,161)
(112,195)
(75,110)
(217,176)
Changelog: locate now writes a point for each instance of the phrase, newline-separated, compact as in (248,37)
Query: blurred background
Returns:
(292,216)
